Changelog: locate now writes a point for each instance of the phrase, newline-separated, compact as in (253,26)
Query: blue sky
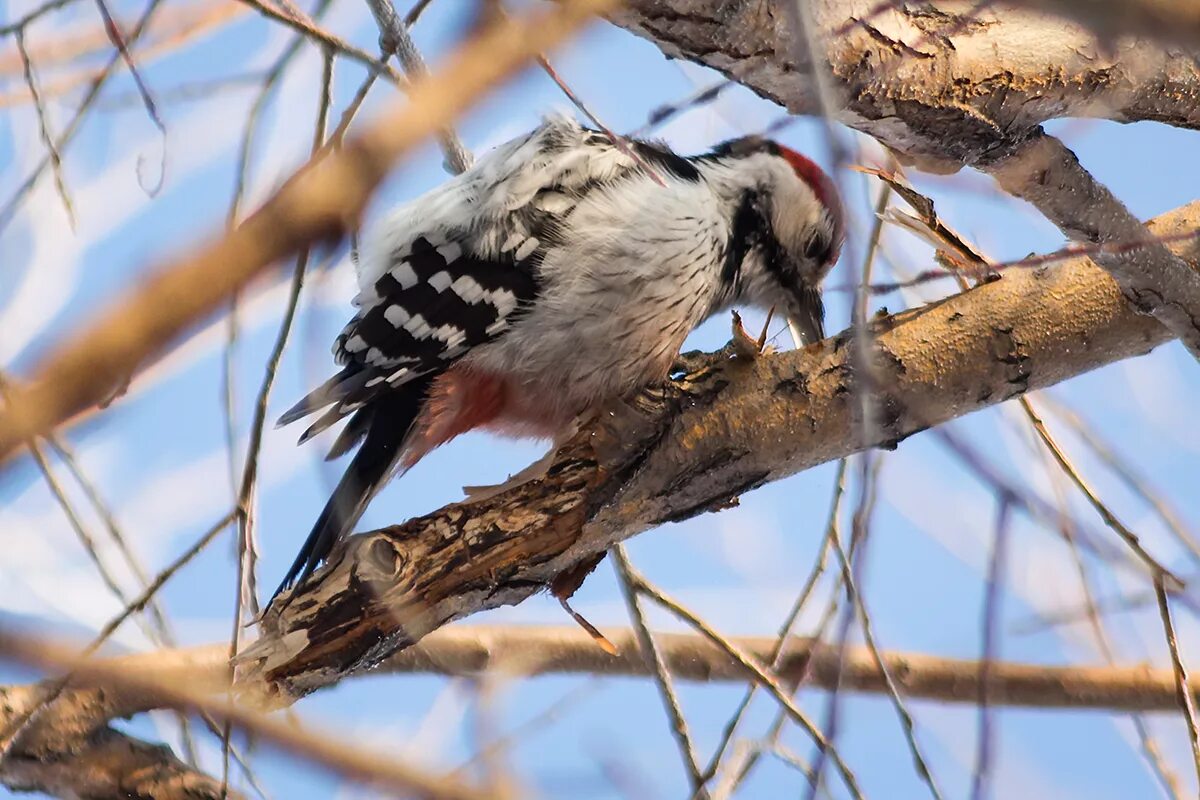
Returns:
(159,458)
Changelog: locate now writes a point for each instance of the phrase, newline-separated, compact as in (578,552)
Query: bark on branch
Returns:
(726,427)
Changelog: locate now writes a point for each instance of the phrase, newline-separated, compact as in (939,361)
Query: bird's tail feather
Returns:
(386,431)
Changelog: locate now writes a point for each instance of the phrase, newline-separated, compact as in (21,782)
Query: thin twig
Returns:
(859,529)
(323,37)
(1150,750)
(665,113)
(763,676)
(893,691)
(818,569)
(991,647)
(118,41)
(657,666)
(1187,702)
(1126,474)
(8,211)
(18,26)
(617,140)
(60,182)
(415,12)
(394,37)
(1029,262)
(1110,519)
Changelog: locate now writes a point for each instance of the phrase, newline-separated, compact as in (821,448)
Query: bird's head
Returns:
(786,231)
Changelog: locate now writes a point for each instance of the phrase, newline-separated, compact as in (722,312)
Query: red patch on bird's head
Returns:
(822,187)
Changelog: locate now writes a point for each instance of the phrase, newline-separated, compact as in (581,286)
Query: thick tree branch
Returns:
(723,429)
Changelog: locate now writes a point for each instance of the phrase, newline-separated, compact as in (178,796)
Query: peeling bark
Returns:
(727,426)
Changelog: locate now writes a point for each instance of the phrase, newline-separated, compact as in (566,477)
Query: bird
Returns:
(562,271)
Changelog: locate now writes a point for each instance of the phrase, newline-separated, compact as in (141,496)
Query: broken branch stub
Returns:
(724,428)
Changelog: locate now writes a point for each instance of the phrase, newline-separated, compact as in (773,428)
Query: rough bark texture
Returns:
(726,427)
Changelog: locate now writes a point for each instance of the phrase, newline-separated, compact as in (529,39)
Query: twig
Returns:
(118,41)
(991,616)
(1187,701)
(1028,502)
(9,209)
(319,35)
(18,26)
(906,719)
(617,140)
(60,182)
(394,38)
(657,666)
(665,113)
(818,569)
(1120,467)
(415,12)
(751,665)
(1110,519)
(860,528)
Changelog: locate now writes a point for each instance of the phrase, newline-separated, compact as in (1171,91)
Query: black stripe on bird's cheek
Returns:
(750,229)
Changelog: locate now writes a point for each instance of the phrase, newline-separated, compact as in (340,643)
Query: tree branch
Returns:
(725,428)
(70,751)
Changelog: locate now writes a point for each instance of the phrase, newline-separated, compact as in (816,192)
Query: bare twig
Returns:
(394,38)
(19,25)
(118,40)
(893,691)
(1150,749)
(657,666)
(785,630)
(991,617)
(1187,700)
(1120,467)
(755,669)
(864,509)
(305,26)
(9,209)
(60,182)
(1110,519)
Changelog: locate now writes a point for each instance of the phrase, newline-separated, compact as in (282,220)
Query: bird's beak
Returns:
(808,315)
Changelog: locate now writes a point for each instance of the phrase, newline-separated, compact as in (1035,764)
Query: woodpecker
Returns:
(562,271)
